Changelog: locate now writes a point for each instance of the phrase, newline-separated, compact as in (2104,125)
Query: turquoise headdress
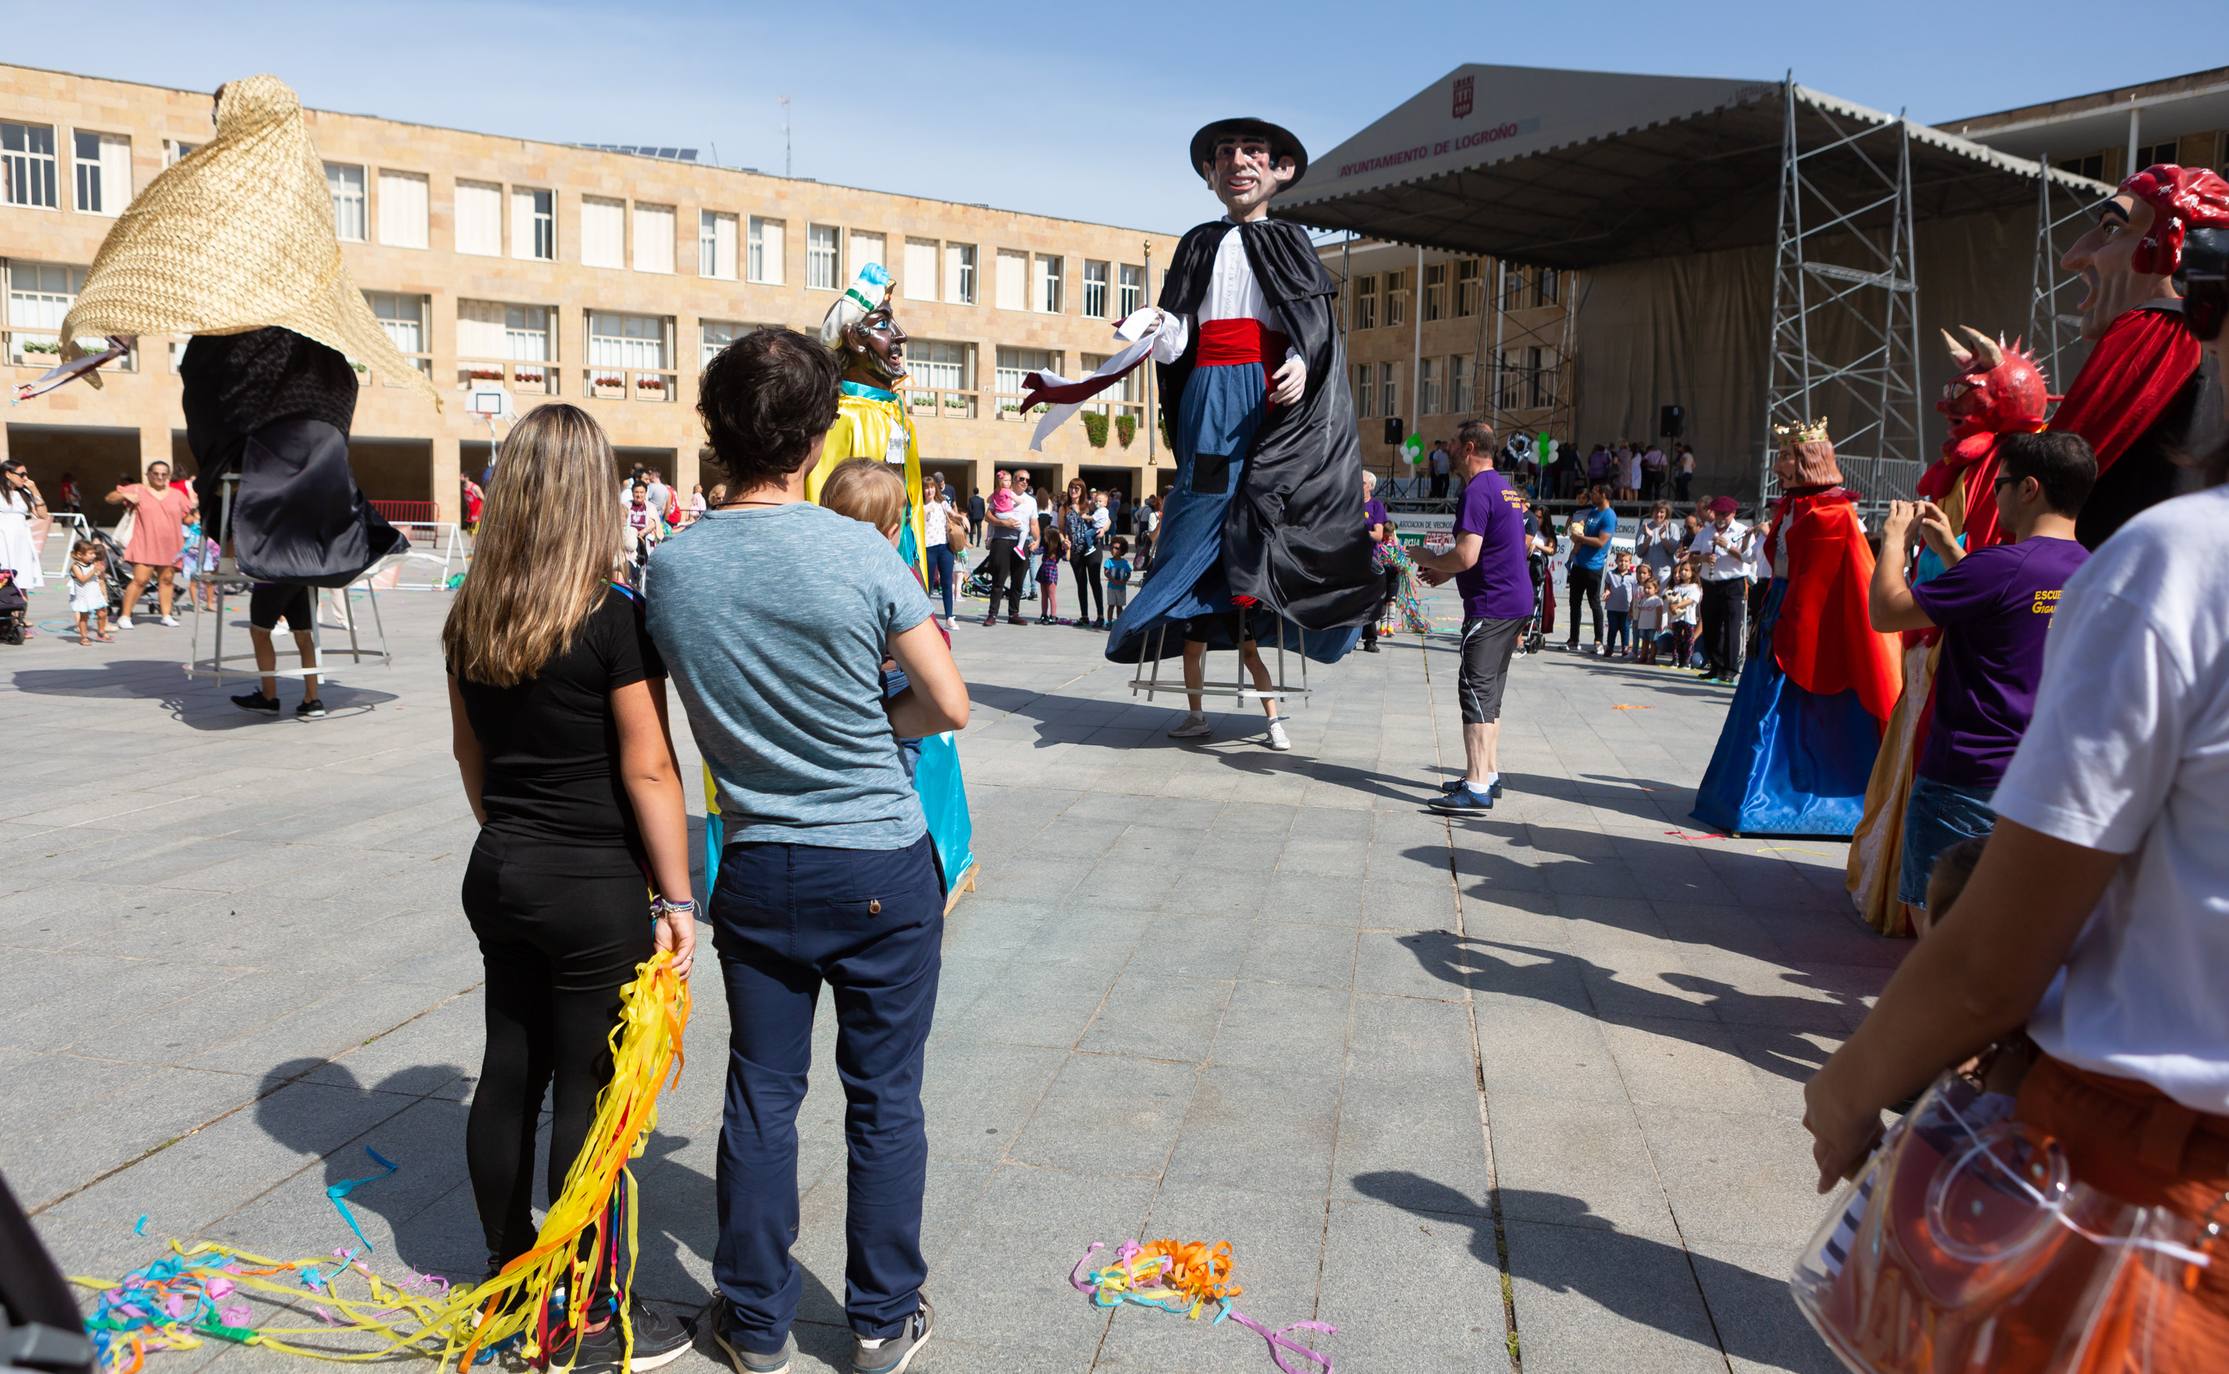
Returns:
(868,292)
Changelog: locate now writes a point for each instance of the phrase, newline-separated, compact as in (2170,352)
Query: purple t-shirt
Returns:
(1373,513)
(1496,587)
(1994,608)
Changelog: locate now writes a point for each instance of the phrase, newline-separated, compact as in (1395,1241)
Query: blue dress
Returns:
(1788,762)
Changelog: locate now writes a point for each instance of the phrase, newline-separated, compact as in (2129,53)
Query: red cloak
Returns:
(2132,376)
(1822,640)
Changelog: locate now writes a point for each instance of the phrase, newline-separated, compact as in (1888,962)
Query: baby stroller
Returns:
(116,575)
(1531,636)
(14,608)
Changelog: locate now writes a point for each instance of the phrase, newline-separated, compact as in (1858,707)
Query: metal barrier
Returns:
(408,512)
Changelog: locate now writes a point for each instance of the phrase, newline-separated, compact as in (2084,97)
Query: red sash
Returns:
(1229,343)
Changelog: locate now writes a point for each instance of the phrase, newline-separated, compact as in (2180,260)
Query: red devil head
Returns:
(2182,199)
(1999,389)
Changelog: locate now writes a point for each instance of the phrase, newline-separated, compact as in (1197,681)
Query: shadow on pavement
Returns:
(200,705)
(1749,1317)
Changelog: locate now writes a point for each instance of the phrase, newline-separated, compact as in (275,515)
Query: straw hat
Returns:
(236,237)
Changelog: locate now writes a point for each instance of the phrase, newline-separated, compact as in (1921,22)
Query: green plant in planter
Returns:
(1095,428)
(1126,428)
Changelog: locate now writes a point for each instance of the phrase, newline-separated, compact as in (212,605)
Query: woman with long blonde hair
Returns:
(558,715)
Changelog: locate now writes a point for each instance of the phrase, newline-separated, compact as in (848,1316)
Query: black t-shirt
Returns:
(551,744)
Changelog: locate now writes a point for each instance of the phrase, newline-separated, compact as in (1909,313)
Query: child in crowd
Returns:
(1617,602)
(1648,616)
(1118,579)
(1683,601)
(875,494)
(89,591)
(1052,547)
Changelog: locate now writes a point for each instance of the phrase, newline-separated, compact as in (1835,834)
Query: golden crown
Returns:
(1795,436)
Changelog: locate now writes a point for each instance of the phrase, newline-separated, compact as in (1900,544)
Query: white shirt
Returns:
(2129,753)
(932,523)
(1101,522)
(1232,294)
(1715,566)
(1025,510)
(1684,600)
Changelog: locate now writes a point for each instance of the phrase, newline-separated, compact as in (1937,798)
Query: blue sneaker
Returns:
(1454,785)
(1465,802)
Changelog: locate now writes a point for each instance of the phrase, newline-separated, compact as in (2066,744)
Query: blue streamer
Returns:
(340,1191)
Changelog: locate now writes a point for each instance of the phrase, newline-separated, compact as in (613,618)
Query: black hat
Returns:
(1281,143)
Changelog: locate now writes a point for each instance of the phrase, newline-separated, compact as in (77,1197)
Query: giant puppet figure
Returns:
(871,419)
(1997,390)
(1263,532)
(1806,721)
(235,245)
(2147,383)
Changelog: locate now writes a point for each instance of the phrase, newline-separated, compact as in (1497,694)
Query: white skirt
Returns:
(17,552)
(88,596)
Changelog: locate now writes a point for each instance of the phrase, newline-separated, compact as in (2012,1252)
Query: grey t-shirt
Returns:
(773,623)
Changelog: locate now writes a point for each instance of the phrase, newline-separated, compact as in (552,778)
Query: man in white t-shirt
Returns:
(1720,552)
(1439,466)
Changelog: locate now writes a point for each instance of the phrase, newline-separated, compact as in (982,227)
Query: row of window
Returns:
(730,247)
(1458,384)
(1520,289)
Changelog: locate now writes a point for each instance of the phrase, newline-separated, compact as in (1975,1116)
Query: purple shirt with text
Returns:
(1994,607)
(1496,587)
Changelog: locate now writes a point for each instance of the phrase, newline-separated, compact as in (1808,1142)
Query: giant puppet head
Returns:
(1999,389)
(861,327)
(2128,255)
(1245,161)
(1806,456)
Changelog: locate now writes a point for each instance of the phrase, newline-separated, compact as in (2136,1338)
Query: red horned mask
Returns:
(1999,389)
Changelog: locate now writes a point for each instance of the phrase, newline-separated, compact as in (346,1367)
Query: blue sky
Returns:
(1071,110)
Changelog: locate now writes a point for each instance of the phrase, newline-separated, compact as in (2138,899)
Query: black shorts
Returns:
(1213,628)
(1487,647)
(270,602)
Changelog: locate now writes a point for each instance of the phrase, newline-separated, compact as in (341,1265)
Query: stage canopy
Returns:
(1749,248)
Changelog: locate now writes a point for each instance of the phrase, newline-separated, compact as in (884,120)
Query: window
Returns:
(402,209)
(653,238)
(766,250)
(715,335)
(1015,364)
(480,218)
(1365,395)
(1435,292)
(104,173)
(2091,166)
(1545,286)
(1467,296)
(628,355)
(822,249)
(39,295)
(866,248)
(715,245)
(1013,280)
(1129,392)
(1365,303)
(918,281)
(1129,291)
(959,273)
(2152,154)
(1396,298)
(1050,284)
(1458,385)
(1428,387)
(603,232)
(404,319)
(491,334)
(27,175)
(1389,391)
(347,186)
(1512,286)
(534,224)
(939,366)
(175,152)
(1095,288)
(1541,388)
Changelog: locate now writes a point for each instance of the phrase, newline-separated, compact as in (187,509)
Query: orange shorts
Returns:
(2130,1140)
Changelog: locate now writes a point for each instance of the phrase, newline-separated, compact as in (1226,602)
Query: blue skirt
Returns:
(1787,762)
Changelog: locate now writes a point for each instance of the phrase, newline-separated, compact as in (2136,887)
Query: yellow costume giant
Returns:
(872,423)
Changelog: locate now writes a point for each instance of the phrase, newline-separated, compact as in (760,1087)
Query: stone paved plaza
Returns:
(1543,1067)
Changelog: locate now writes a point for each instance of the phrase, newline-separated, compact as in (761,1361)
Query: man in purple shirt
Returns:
(1379,523)
(1994,607)
(1488,565)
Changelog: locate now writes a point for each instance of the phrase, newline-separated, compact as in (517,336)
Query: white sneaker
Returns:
(168,620)
(124,622)
(1277,739)
(1193,726)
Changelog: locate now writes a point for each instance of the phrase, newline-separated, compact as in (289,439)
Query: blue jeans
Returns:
(1621,632)
(1938,816)
(940,574)
(786,919)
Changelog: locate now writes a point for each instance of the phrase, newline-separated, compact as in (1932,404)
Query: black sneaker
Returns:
(256,701)
(1371,647)
(747,1362)
(894,1354)
(313,709)
(660,1339)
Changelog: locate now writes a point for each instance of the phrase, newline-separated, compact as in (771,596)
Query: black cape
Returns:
(1294,539)
(276,407)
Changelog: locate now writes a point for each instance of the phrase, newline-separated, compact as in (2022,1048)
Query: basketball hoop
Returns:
(492,402)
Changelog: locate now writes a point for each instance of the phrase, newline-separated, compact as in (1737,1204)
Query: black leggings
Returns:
(561,929)
(1586,583)
(1088,583)
(1007,569)
(1392,594)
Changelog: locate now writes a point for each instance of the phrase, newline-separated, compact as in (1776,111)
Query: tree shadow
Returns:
(202,706)
(1561,1245)
(1772,1027)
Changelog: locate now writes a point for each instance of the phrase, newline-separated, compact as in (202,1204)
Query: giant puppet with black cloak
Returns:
(1262,536)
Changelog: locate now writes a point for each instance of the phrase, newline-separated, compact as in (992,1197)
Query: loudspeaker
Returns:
(1393,429)
(1669,421)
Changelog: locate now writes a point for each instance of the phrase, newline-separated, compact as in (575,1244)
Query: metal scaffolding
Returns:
(1845,319)
(1517,391)
(2063,214)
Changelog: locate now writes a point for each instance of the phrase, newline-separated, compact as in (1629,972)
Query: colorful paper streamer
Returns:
(1189,1279)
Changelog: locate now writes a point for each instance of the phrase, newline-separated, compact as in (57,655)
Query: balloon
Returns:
(1412,448)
